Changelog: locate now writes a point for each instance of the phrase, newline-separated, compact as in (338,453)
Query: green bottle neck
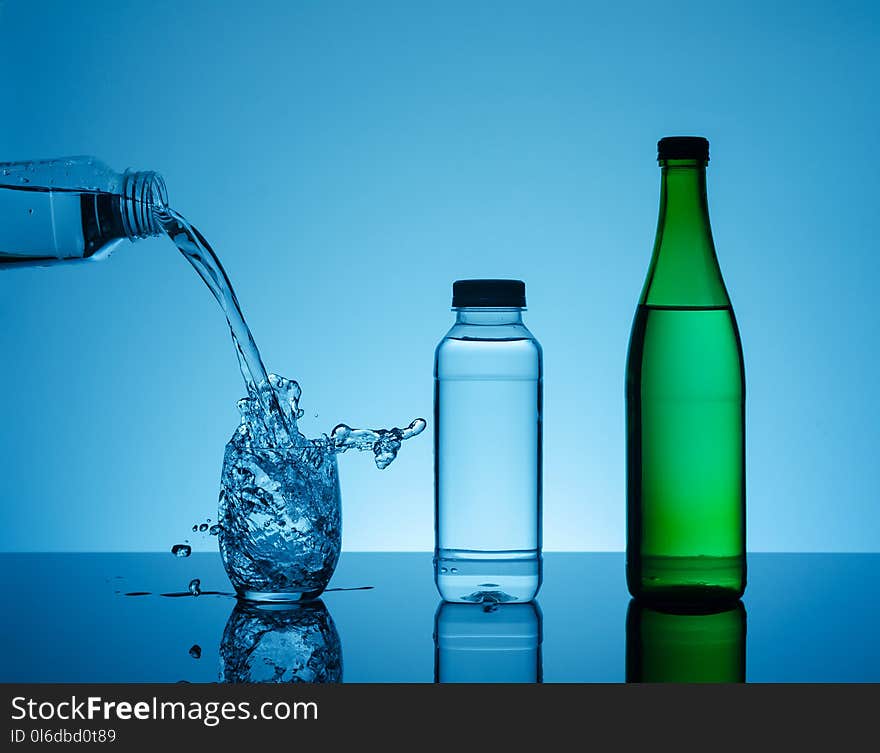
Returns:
(684,269)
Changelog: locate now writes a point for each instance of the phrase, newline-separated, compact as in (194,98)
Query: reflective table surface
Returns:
(130,618)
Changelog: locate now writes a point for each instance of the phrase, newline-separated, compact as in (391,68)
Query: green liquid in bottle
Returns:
(685,396)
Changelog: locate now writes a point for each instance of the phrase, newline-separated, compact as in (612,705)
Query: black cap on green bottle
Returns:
(683,147)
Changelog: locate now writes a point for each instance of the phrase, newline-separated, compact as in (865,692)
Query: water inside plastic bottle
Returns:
(488,424)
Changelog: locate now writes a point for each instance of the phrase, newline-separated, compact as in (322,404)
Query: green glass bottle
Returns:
(685,646)
(685,405)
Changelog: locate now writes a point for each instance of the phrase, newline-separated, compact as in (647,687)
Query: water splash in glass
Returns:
(280,520)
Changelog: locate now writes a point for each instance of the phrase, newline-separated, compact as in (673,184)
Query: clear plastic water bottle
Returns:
(73,209)
(487,448)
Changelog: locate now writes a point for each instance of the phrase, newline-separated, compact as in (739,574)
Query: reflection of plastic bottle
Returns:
(487,447)
(488,643)
(677,646)
(280,643)
(72,209)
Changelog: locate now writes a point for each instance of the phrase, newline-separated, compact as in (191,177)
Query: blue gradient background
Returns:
(349,160)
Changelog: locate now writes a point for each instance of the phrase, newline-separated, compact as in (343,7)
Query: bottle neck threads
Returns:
(143,196)
(488,316)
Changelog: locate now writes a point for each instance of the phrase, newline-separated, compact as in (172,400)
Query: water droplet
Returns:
(30,211)
(195,527)
(214,529)
(203,527)
(415,428)
(181,550)
(195,586)
(196,651)
(207,520)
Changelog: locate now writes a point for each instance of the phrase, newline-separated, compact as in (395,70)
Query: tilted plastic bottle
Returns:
(73,209)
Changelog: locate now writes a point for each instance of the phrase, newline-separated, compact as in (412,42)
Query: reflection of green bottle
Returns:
(665,646)
(685,405)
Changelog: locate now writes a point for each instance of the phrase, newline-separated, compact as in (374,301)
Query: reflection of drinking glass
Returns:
(488,643)
(280,643)
(685,646)
(280,521)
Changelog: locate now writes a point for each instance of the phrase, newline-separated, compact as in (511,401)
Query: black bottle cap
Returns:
(489,293)
(683,147)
